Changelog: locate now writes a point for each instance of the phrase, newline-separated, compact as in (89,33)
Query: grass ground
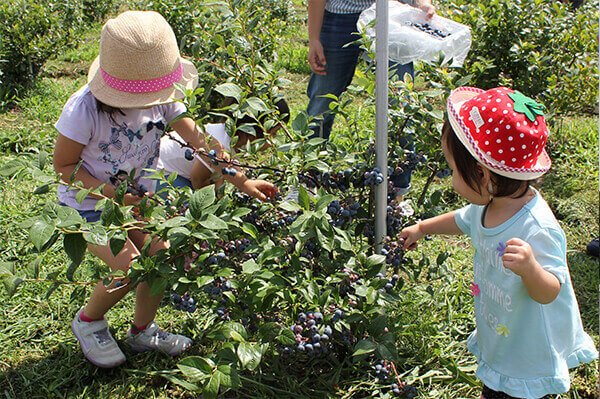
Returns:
(40,358)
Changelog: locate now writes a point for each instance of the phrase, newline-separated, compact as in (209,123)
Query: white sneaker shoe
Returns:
(98,345)
(153,338)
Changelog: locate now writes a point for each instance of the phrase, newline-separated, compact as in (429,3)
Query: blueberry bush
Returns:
(291,286)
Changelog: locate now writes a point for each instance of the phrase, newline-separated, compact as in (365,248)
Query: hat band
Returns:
(143,86)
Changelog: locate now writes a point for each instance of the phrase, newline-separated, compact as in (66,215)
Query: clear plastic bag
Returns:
(412,37)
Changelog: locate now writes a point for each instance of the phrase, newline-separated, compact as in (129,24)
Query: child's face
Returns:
(461,187)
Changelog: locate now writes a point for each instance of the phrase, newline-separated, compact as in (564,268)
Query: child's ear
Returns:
(484,175)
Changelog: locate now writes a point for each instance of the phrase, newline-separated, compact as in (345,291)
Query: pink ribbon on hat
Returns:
(143,86)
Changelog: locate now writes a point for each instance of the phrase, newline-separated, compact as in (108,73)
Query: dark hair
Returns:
(109,110)
(468,168)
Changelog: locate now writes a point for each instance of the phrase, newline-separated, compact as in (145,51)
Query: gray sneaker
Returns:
(153,338)
(98,346)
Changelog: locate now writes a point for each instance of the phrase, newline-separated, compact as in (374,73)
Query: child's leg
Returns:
(102,300)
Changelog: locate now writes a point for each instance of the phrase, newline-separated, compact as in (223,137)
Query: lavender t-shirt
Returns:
(113,147)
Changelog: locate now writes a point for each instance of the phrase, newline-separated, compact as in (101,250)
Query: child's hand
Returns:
(260,189)
(409,236)
(518,257)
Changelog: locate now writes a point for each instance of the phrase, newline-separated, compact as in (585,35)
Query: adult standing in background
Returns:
(333,56)
(331,26)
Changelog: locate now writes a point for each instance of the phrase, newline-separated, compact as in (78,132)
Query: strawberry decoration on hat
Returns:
(503,129)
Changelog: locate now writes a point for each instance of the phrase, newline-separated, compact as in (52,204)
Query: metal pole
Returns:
(381,120)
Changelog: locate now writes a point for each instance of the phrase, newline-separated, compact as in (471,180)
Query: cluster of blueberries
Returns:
(390,283)
(443,173)
(238,245)
(374,177)
(346,287)
(219,285)
(214,259)
(341,215)
(183,302)
(228,171)
(312,336)
(310,250)
(394,254)
(430,30)
(223,313)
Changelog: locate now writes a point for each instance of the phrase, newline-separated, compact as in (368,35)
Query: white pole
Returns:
(381,119)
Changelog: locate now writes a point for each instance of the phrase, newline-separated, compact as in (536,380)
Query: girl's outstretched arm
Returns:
(442,224)
(261,189)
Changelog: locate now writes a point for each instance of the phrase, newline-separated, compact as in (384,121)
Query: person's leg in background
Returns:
(341,59)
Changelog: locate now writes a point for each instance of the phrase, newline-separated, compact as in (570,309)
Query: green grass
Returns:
(40,358)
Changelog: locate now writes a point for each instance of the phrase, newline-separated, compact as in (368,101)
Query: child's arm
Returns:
(192,134)
(442,224)
(261,189)
(542,286)
(66,158)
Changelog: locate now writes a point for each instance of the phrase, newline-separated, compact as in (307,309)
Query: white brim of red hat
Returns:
(456,99)
(122,99)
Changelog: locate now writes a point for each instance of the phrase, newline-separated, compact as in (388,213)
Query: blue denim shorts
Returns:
(89,216)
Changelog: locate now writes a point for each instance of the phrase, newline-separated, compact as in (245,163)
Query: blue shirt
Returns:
(523,348)
(352,6)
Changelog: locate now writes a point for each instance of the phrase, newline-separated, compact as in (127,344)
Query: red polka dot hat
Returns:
(502,129)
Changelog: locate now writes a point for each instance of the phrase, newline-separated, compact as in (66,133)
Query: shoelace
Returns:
(162,334)
(103,336)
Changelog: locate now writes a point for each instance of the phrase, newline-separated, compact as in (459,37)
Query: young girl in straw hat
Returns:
(112,126)
(529,331)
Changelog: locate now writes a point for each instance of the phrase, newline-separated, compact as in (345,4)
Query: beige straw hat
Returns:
(139,62)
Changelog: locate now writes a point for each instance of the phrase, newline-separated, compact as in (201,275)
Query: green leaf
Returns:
(286,337)
(68,217)
(250,266)
(249,356)
(229,376)
(213,223)
(300,123)
(230,90)
(250,229)
(42,189)
(81,194)
(256,105)
(211,389)
(196,368)
(324,201)
(11,283)
(375,260)
(271,253)
(158,286)
(41,232)
(303,198)
(364,346)
(181,383)
(96,235)
(117,243)
(33,268)
(200,200)
(12,167)
(75,246)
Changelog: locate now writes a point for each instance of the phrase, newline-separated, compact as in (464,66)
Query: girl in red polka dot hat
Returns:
(112,127)
(529,331)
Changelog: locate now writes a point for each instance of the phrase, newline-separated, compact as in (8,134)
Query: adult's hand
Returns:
(427,7)
(316,58)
